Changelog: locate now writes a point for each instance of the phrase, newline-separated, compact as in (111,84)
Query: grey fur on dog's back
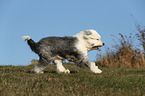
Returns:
(61,46)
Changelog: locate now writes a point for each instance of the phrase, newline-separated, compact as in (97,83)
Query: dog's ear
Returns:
(87,32)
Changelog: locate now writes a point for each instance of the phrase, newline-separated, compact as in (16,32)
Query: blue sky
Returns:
(42,18)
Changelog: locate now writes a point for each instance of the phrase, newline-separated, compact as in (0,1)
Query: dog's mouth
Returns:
(96,47)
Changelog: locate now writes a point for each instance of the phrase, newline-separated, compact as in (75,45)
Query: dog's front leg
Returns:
(84,60)
(94,68)
(59,67)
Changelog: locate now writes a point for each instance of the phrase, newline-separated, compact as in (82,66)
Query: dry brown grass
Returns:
(123,55)
(141,35)
(33,62)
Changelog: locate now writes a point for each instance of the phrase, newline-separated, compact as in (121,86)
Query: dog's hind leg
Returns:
(42,64)
(59,67)
(37,68)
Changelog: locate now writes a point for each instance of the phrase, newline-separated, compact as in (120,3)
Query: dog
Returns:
(73,48)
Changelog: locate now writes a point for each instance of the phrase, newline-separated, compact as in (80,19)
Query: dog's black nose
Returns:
(103,44)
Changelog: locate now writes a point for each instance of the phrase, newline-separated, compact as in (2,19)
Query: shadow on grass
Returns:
(71,72)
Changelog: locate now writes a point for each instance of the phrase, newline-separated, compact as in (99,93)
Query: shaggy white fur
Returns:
(87,40)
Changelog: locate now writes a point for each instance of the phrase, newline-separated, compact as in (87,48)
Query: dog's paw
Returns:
(41,72)
(67,71)
(96,70)
(34,71)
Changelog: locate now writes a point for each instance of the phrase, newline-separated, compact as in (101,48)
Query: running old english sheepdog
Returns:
(74,48)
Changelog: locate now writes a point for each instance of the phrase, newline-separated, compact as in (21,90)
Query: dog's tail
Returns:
(31,43)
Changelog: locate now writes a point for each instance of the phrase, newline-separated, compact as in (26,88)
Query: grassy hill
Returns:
(18,81)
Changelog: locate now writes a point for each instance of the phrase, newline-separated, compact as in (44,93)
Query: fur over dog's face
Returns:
(90,39)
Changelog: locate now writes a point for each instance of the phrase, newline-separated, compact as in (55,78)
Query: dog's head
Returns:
(92,39)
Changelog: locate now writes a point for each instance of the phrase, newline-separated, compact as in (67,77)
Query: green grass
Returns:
(18,81)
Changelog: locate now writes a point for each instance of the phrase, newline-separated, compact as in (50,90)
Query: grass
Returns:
(18,81)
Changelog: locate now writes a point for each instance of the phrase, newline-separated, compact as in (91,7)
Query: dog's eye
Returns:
(91,38)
